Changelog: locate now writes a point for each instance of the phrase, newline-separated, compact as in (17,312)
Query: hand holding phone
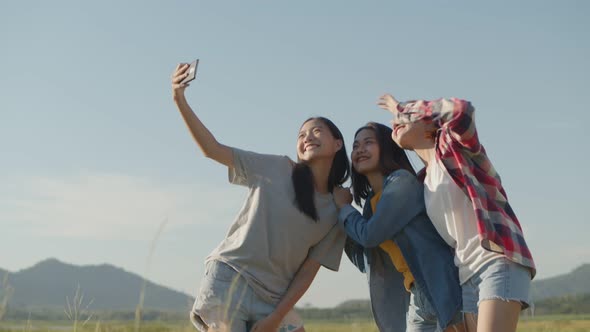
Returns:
(192,72)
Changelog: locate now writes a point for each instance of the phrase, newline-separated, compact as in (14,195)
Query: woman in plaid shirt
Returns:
(469,208)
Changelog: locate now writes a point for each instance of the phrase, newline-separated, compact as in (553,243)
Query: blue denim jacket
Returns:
(401,216)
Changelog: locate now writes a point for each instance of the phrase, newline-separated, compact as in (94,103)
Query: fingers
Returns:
(176,79)
(386,97)
(387,107)
(387,102)
(180,71)
(181,67)
(179,74)
(382,105)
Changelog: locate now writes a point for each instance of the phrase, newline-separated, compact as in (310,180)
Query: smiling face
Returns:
(365,152)
(315,141)
(415,135)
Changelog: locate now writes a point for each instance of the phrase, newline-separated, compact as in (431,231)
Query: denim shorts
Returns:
(421,315)
(499,279)
(226,302)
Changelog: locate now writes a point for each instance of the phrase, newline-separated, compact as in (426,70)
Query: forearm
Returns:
(301,282)
(401,200)
(372,232)
(210,147)
(358,228)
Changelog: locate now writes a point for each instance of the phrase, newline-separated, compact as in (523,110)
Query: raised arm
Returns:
(205,140)
(453,115)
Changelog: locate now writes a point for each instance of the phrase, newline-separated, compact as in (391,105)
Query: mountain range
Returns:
(47,284)
(576,282)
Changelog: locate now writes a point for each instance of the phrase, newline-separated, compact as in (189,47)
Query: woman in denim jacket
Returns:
(413,282)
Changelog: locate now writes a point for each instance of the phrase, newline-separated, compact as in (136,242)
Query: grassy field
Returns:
(562,323)
(537,324)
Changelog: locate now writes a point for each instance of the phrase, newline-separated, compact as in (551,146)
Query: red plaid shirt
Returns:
(458,148)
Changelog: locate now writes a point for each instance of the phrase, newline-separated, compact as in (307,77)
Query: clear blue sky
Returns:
(94,155)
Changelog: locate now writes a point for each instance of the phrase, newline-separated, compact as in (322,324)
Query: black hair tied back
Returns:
(302,178)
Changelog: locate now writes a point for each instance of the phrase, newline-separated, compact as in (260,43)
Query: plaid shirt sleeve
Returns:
(455,117)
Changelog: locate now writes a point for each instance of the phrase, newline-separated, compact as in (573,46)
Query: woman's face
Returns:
(315,142)
(415,135)
(365,152)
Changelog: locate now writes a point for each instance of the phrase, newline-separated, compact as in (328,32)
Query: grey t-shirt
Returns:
(270,238)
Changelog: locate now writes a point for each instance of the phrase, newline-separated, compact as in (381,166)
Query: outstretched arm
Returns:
(205,140)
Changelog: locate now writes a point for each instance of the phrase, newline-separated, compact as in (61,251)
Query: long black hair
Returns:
(302,177)
(391,158)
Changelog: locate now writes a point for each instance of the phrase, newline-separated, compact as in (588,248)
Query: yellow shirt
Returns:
(394,252)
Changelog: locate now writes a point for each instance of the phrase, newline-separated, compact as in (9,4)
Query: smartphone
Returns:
(192,72)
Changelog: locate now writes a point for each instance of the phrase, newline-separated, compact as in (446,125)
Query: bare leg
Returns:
(498,315)
(470,322)
(460,327)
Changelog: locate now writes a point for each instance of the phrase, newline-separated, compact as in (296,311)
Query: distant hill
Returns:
(565,294)
(574,283)
(46,285)
(2,275)
(570,304)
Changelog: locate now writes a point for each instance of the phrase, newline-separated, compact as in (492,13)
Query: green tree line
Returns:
(350,310)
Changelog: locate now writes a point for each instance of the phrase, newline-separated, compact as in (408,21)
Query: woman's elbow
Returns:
(207,153)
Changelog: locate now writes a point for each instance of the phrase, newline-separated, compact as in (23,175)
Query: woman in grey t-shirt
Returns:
(286,229)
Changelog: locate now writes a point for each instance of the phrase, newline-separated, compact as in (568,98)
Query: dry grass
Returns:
(76,310)
(540,324)
(556,323)
(4,295)
(152,249)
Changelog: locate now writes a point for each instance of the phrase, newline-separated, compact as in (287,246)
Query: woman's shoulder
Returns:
(402,176)
(403,173)
(284,164)
(263,163)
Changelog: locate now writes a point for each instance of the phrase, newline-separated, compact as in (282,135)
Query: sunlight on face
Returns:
(415,135)
(315,141)
(365,152)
